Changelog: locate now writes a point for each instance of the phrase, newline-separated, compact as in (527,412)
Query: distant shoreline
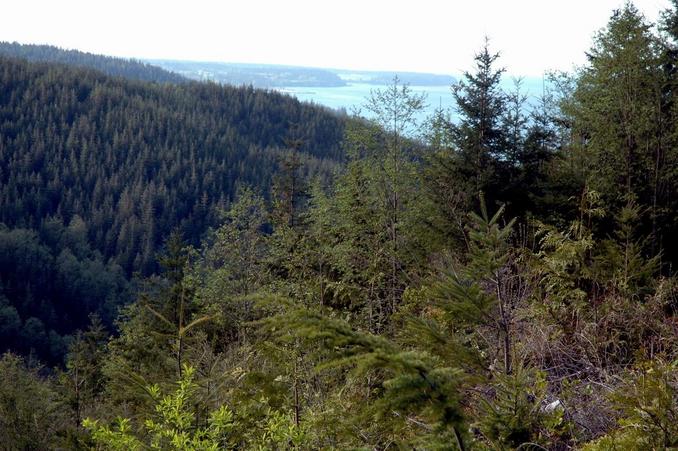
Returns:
(274,76)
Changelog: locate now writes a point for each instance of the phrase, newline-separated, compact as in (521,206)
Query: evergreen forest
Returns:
(195,266)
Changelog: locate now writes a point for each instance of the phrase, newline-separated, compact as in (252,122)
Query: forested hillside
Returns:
(503,281)
(95,172)
(115,67)
(135,160)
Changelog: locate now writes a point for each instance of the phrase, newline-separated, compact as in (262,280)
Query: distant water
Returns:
(355,95)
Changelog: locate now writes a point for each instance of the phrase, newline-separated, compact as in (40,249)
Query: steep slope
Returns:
(134,160)
(95,172)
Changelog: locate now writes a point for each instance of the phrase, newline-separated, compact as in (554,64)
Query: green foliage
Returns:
(564,260)
(138,355)
(359,255)
(488,243)
(82,382)
(30,415)
(117,438)
(479,293)
(392,176)
(622,263)
(410,383)
(278,431)
(232,264)
(235,260)
(175,426)
(617,111)
(48,288)
(157,331)
(100,230)
(516,414)
(647,404)
(368,226)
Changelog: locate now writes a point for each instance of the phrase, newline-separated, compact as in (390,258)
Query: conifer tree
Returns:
(156,331)
(234,261)
(616,110)
(514,413)
(486,291)
(83,378)
(541,145)
(479,137)
(443,199)
(360,255)
(395,110)
(320,242)
(289,188)
(175,308)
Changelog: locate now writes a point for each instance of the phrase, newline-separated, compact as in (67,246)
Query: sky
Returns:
(438,36)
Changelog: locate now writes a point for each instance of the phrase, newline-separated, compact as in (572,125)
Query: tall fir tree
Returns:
(479,137)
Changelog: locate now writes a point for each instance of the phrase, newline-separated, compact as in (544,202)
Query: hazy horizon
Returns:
(264,64)
(438,37)
(256,63)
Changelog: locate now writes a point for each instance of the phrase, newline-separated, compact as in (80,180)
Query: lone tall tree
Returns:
(479,136)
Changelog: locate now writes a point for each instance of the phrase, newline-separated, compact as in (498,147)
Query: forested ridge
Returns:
(115,67)
(503,280)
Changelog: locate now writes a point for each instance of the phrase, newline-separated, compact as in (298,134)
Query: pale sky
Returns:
(423,36)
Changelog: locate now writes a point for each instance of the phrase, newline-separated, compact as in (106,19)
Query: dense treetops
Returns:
(135,160)
(505,282)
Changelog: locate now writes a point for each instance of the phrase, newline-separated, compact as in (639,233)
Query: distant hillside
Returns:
(96,171)
(258,75)
(116,67)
